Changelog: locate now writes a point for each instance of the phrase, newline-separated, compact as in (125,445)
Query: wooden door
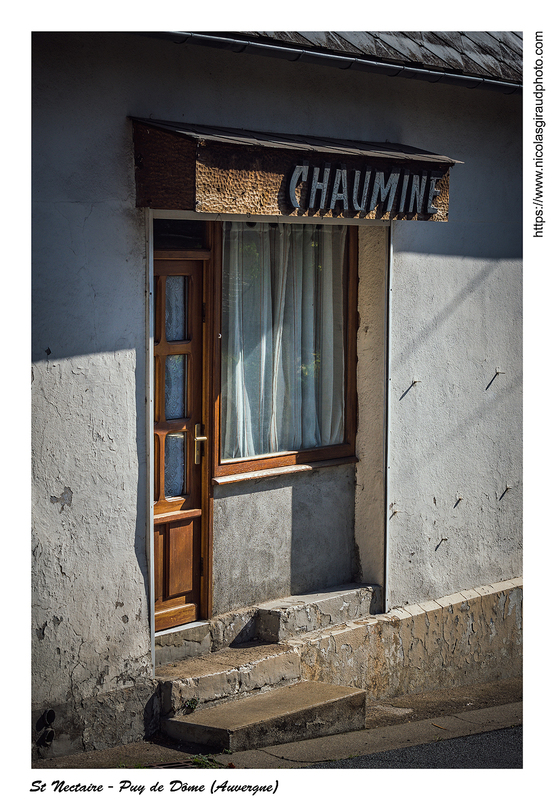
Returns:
(178,438)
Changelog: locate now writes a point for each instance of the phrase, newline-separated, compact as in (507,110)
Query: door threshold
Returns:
(186,627)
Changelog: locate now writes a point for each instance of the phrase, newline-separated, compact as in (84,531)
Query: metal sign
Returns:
(396,191)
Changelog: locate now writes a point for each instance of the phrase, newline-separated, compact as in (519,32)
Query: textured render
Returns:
(448,642)
(240,180)
(455,437)
(101,720)
(90,628)
(186,166)
(283,535)
(89,594)
(455,477)
(373,258)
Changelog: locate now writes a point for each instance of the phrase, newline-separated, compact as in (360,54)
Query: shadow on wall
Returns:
(460,238)
(482,412)
(432,326)
(323,552)
(283,535)
(497,387)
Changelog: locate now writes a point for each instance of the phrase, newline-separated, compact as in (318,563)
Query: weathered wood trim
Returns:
(238,477)
(175,171)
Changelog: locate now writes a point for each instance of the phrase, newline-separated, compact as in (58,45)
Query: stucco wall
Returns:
(373,260)
(456,317)
(284,535)
(90,631)
(464,638)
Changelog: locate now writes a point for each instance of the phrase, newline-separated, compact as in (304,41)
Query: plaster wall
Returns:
(455,438)
(469,637)
(373,261)
(90,627)
(284,535)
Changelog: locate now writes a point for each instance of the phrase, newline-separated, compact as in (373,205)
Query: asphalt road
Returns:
(501,749)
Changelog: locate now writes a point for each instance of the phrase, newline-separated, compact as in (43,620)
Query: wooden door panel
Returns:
(159,562)
(178,357)
(181,558)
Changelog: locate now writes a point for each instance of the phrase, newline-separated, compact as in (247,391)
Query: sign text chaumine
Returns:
(394,191)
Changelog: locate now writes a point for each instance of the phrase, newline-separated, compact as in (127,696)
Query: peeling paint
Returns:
(422,651)
(65,499)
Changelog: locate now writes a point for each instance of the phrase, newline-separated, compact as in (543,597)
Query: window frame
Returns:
(337,452)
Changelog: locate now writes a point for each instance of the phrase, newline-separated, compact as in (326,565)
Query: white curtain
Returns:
(282,338)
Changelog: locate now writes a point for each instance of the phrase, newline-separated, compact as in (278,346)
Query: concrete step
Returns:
(289,617)
(273,621)
(302,711)
(226,674)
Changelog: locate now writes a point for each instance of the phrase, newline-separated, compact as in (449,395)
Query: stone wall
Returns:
(469,637)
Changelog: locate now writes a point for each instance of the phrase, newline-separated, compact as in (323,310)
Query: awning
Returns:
(312,144)
(213,169)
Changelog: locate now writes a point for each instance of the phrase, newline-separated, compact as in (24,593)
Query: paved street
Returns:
(492,750)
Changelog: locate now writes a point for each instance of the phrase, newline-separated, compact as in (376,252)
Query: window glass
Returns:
(283,330)
(176,386)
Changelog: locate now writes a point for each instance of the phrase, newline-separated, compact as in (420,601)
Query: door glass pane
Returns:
(176,296)
(175,464)
(176,387)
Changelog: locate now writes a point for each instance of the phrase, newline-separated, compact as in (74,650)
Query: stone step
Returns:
(273,621)
(302,711)
(289,617)
(226,674)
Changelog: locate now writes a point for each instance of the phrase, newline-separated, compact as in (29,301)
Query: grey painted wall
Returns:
(283,535)
(455,318)
(373,261)
(90,631)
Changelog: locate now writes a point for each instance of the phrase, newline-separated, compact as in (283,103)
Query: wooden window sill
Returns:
(284,470)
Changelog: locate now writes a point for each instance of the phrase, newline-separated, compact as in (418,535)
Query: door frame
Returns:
(209,309)
(210,384)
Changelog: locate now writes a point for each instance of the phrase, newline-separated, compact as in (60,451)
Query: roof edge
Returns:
(359,64)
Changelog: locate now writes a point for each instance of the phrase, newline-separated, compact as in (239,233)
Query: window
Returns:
(287,344)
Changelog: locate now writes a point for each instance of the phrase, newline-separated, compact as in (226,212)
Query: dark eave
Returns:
(484,60)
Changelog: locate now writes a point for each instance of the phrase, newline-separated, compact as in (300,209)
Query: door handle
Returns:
(198,439)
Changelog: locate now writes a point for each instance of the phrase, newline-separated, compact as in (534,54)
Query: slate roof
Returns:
(492,55)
